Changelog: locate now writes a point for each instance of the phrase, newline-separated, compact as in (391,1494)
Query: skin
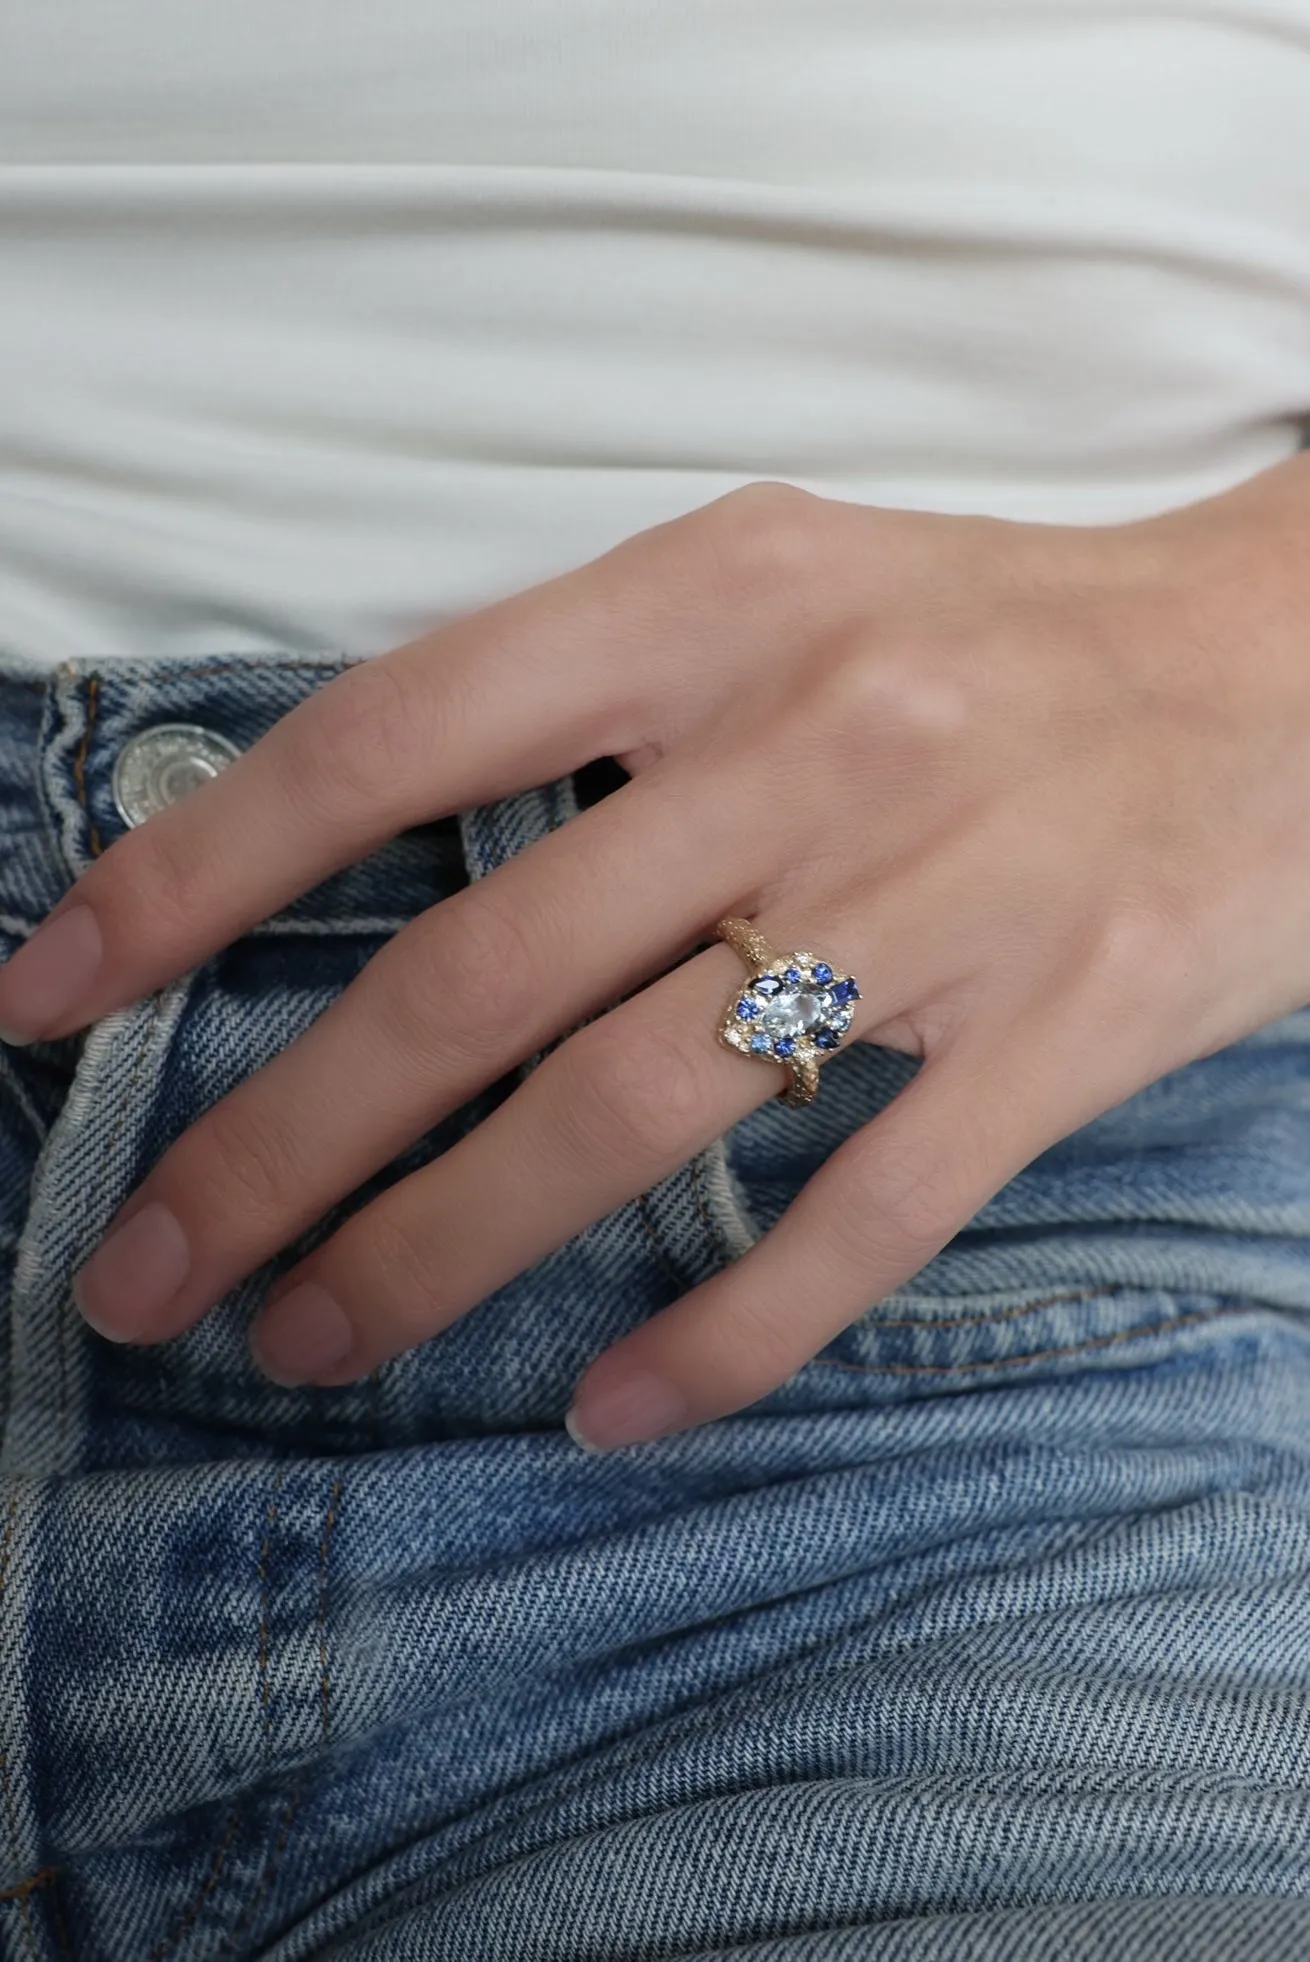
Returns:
(1045,790)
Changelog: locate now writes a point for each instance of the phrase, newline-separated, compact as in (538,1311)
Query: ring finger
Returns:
(619,1106)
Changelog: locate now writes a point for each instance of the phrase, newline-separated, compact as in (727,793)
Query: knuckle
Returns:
(894,694)
(1141,954)
(765,530)
(463,981)
(638,1094)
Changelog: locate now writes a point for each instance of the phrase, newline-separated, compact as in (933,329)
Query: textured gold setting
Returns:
(761,960)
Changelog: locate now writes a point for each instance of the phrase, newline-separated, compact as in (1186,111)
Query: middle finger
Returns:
(455,999)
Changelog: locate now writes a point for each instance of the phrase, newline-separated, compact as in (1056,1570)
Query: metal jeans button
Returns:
(159,765)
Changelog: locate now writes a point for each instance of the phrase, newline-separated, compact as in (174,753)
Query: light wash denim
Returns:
(986,1636)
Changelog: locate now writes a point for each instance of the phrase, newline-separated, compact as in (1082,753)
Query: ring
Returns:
(794,1009)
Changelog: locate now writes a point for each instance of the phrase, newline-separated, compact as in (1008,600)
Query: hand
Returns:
(1044,790)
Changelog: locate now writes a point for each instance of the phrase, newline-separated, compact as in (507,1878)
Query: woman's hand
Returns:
(1044,790)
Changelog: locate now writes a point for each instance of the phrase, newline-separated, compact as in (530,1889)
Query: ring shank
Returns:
(749,942)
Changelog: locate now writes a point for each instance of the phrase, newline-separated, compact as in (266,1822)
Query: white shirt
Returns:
(324,322)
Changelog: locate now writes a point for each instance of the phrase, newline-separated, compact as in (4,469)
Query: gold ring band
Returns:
(794,1009)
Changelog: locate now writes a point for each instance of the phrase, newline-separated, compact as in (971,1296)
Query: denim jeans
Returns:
(987,1635)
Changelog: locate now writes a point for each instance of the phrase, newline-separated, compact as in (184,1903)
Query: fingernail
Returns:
(299,1334)
(133,1274)
(636,1410)
(49,974)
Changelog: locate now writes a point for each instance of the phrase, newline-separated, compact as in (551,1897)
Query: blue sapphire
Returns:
(826,1038)
(845,991)
(822,973)
(793,975)
(784,1045)
(768,984)
(761,1045)
(747,1009)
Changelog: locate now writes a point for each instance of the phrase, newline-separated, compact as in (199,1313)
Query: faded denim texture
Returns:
(986,1636)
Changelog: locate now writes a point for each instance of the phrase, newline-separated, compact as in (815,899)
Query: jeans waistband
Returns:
(62,730)
(1198,1182)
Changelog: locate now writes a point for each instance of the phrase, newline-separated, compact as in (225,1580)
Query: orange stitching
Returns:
(156,675)
(322,1609)
(1039,1355)
(1016,1313)
(79,764)
(28,1886)
(274,1860)
(270,1872)
(180,1928)
(25,1916)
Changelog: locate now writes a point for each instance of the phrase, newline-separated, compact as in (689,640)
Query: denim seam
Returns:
(658,1248)
(1020,1309)
(273,1859)
(1037,1355)
(11,1816)
(79,763)
(184,669)
(67,1316)
(216,1865)
(233,1818)
(272,1862)
(325,1682)
(265,1675)
(57,1916)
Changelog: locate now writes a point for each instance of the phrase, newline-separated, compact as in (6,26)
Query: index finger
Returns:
(516,694)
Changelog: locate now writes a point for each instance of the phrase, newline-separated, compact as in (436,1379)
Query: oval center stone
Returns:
(797,1008)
